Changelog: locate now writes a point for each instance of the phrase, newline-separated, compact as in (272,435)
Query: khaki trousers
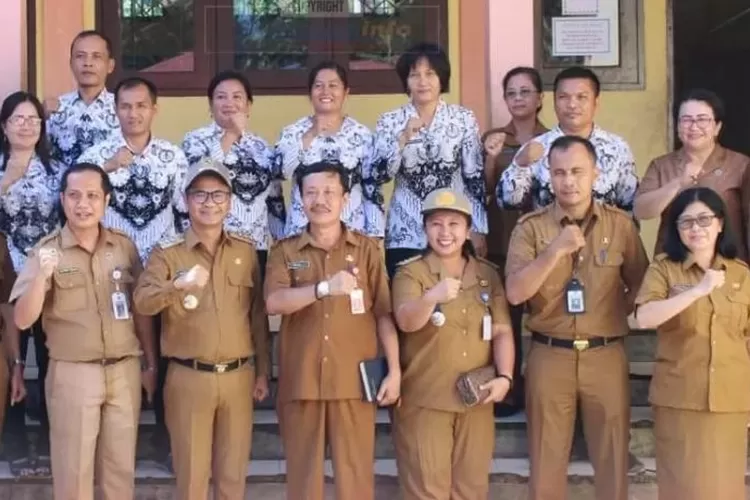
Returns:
(700,455)
(444,455)
(556,380)
(210,418)
(93,413)
(348,426)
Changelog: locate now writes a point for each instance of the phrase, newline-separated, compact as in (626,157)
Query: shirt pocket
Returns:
(558,278)
(70,292)
(240,288)
(738,309)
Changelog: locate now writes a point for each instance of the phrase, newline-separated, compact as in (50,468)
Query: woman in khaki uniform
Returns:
(701,161)
(450,307)
(697,295)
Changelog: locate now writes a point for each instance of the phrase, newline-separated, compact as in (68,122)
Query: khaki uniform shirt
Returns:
(229,321)
(610,268)
(726,172)
(502,222)
(702,362)
(77,315)
(7,278)
(321,346)
(433,357)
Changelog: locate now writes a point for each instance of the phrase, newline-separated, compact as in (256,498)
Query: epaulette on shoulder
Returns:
(237,235)
(409,261)
(616,210)
(536,213)
(660,257)
(48,238)
(118,232)
(489,263)
(171,241)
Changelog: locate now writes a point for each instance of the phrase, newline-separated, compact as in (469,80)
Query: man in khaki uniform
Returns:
(207,287)
(80,279)
(578,263)
(330,285)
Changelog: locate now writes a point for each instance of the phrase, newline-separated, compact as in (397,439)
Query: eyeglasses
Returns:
(20,120)
(202,197)
(689,222)
(703,122)
(523,94)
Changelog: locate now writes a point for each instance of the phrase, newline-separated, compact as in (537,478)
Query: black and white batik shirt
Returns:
(351,146)
(76,126)
(446,154)
(147,197)
(258,210)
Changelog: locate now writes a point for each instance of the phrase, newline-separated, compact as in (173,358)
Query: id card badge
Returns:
(120,306)
(487,327)
(574,297)
(357,299)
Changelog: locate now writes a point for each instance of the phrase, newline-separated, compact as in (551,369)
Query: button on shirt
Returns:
(616,184)
(321,346)
(610,268)
(77,315)
(29,208)
(434,357)
(229,321)
(76,126)
(446,154)
(147,195)
(351,146)
(258,203)
(726,172)
(702,362)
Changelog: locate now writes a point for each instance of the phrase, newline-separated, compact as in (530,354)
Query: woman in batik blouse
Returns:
(424,145)
(332,136)
(29,211)
(258,204)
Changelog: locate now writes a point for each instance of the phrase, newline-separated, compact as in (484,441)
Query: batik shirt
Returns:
(531,186)
(30,208)
(351,147)
(75,126)
(446,154)
(147,197)
(258,210)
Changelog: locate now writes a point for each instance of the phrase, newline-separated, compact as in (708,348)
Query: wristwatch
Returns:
(322,289)
(508,378)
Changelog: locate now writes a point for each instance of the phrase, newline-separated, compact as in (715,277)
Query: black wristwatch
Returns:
(508,378)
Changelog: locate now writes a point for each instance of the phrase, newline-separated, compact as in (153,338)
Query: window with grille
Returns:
(180,44)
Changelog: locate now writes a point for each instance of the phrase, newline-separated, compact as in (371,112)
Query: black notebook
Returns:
(372,372)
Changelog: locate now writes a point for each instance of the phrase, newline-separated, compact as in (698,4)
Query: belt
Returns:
(578,344)
(214,367)
(107,361)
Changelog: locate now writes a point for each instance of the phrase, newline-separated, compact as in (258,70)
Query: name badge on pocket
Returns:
(357,299)
(574,297)
(120,308)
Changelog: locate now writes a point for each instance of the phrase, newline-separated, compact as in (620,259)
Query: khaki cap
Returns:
(446,199)
(206,166)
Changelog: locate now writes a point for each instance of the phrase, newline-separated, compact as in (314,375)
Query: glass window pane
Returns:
(157,36)
(379,31)
(271,34)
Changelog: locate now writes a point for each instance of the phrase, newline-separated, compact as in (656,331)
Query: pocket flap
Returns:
(67,280)
(241,279)
(739,298)
(609,258)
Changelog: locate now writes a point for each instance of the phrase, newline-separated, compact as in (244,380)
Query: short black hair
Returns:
(707,97)
(675,249)
(578,73)
(136,81)
(90,33)
(331,167)
(86,167)
(332,65)
(565,142)
(228,75)
(532,73)
(436,58)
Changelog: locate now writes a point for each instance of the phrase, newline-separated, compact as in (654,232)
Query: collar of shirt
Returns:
(105,98)
(411,110)
(596,132)
(69,240)
(719,263)
(470,274)
(192,240)
(562,219)
(714,161)
(346,236)
(120,141)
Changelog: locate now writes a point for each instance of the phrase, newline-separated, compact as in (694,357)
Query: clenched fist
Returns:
(530,153)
